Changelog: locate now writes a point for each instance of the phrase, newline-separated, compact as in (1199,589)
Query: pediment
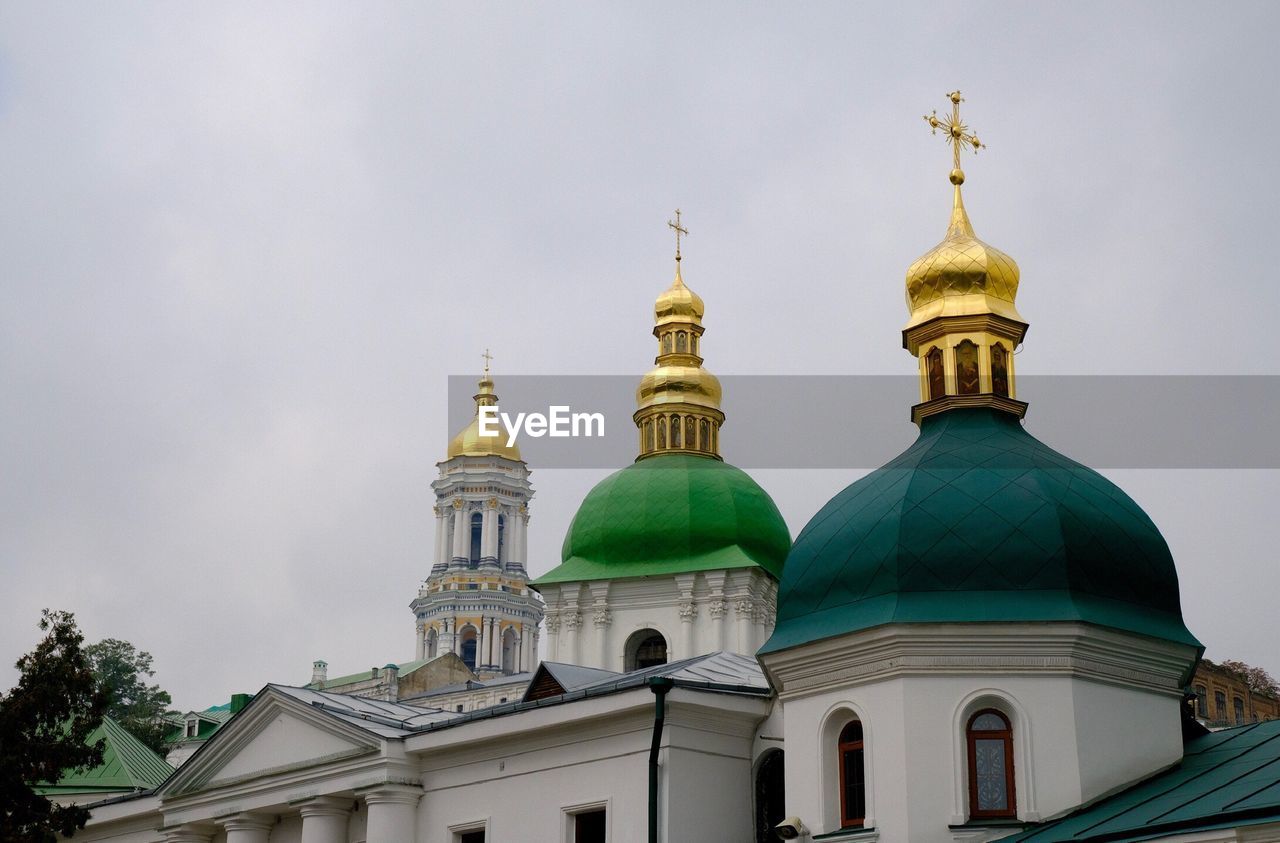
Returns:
(274,735)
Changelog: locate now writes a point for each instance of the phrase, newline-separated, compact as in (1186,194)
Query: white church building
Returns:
(981,640)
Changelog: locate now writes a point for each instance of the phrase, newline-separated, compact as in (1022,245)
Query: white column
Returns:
(489,540)
(572,621)
(188,833)
(524,532)
(442,536)
(393,814)
(324,819)
(448,638)
(247,827)
(553,634)
(495,642)
(461,535)
(743,611)
(522,661)
(422,641)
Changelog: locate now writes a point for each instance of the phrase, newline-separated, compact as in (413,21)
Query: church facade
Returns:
(981,640)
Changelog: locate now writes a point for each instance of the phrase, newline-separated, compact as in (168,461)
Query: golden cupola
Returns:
(678,400)
(964,325)
(468,442)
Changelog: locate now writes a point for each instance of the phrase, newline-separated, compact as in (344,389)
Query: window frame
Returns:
(972,736)
(569,814)
(842,746)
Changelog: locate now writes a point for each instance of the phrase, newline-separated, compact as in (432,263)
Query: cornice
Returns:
(1050,649)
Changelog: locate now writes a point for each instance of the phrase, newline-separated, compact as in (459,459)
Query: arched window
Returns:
(682,342)
(999,370)
(648,436)
(675,431)
(693,343)
(770,807)
(853,782)
(703,444)
(666,343)
(937,376)
(990,744)
(477,530)
(433,643)
(467,645)
(502,536)
(967,368)
(691,433)
(644,648)
(509,651)
(662,433)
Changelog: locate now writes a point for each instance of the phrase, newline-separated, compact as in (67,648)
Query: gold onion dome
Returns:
(678,303)
(469,442)
(961,276)
(678,377)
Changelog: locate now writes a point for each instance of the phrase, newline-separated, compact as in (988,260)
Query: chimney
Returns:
(393,682)
(239,701)
(319,672)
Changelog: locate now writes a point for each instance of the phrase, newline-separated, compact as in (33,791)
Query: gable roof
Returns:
(127,764)
(1226,779)
(555,678)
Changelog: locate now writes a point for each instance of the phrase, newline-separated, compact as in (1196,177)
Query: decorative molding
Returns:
(602,617)
(981,399)
(716,608)
(572,621)
(688,611)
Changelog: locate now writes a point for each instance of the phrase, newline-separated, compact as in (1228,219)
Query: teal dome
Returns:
(978,521)
(669,514)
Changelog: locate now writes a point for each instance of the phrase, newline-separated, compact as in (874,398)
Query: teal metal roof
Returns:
(1226,779)
(671,514)
(127,764)
(978,521)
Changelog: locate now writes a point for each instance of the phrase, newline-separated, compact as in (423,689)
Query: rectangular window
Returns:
(589,827)
(1220,705)
(1239,711)
(1202,702)
(854,801)
(471,836)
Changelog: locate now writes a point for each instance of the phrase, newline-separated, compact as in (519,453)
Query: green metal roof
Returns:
(127,764)
(366,675)
(1226,779)
(978,521)
(668,514)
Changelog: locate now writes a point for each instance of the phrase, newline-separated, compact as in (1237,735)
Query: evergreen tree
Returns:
(45,721)
(132,703)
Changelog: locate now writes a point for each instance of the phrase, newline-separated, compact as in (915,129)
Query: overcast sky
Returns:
(242,246)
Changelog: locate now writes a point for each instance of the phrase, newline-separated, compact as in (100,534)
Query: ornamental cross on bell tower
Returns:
(488,358)
(955,133)
(679,230)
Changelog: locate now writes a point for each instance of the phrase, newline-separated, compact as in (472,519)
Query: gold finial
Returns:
(957,134)
(488,358)
(679,230)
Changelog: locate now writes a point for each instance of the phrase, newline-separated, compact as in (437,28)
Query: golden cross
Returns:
(957,134)
(679,230)
(487,358)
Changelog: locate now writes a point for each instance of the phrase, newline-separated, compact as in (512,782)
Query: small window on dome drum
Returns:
(675,431)
(935,372)
(967,378)
(853,785)
(682,342)
(691,433)
(662,433)
(990,758)
(702,435)
(999,370)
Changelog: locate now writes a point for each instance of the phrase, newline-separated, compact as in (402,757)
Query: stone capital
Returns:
(323,806)
(397,794)
(246,821)
(188,833)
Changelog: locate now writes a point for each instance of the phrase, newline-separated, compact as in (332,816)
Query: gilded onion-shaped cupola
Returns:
(964,323)
(468,442)
(678,400)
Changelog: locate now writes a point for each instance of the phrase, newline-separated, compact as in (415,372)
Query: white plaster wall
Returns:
(1073,739)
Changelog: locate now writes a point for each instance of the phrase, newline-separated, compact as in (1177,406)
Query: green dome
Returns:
(670,514)
(978,521)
